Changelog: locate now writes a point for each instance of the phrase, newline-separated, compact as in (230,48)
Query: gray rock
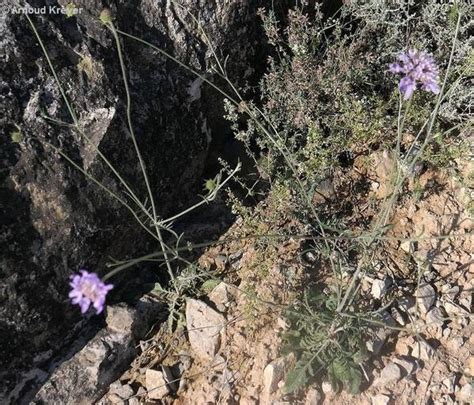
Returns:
(408,366)
(123,391)
(380,287)
(425,297)
(86,376)
(435,317)
(273,373)
(423,350)
(450,384)
(466,393)
(454,310)
(205,326)
(220,296)
(390,373)
(380,399)
(376,343)
(156,382)
(407,246)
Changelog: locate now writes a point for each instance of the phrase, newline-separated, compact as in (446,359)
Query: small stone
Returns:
(446,332)
(313,397)
(466,393)
(273,374)
(380,287)
(450,384)
(425,297)
(435,317)
(455,343)
(220,260)
(220,297)
(390,373)
(380,399)
(408,366)
(404,345)
(466,300)
(204,328)
(423,350)
(326,387)
(115,399)
(407,246)
(123,391)
(450,292)
(375,344)
(156,384)
(454,310)
(470,366)
(120,318)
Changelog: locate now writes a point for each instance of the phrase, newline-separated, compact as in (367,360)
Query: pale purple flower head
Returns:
(87,289)
(419,68)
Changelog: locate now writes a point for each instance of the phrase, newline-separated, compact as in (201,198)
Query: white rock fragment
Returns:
(220,296)
(466,393)
(123,391)
(454,310)
(313,397)
(422,350)
(158,383)
(380,399)
(380,287)
(397,315)
(390,373)
(449,292)
(408,366)
(450,384)
(326,387)
(455,343)
(120,318)
(407,246)
(273,374)
(204,326)
(425,297)
(435,317)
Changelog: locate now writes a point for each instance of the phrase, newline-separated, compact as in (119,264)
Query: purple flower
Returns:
(87,289)
(419,68)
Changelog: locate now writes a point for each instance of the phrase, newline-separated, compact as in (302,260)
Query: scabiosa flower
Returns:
(419,68)
(87,289)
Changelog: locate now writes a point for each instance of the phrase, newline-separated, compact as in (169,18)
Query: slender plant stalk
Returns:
(111,27)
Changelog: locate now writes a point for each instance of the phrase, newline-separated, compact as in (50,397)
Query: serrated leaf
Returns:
(355,381)
(296,379)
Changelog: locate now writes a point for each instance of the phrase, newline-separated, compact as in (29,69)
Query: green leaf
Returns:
(209,285)
(16,136)
(355,380)
(296,378)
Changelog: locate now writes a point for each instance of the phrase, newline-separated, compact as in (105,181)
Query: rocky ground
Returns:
(229,349)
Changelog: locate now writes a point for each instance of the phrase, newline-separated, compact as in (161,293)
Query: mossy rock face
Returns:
(54,220)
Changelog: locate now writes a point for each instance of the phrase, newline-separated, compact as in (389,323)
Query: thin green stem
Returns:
(137,149)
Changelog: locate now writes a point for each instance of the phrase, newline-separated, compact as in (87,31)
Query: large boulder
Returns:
(54,220)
